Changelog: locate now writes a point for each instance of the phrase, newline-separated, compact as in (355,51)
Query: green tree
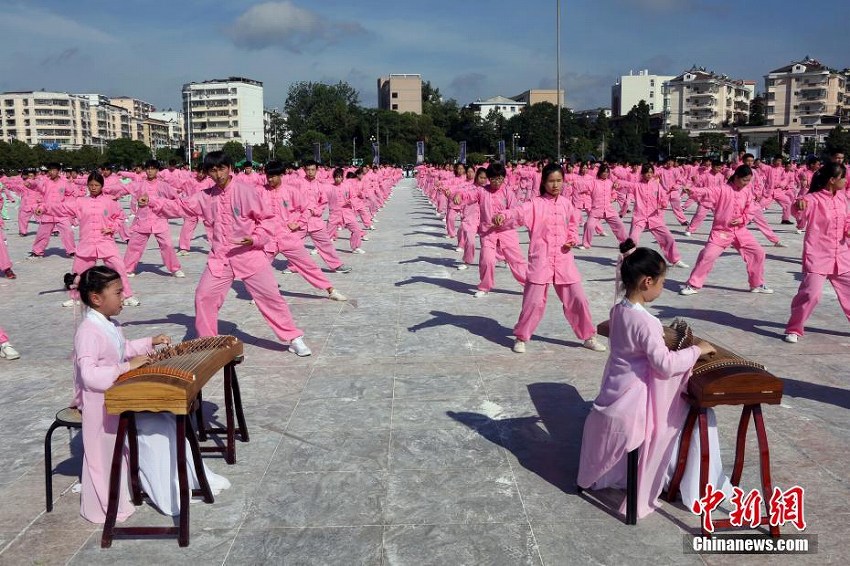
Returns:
(758,111)
(126,152)
(322,112)
(770,148)
(837,140)
(260,153)
(713,143)
(16,155)
(235,150)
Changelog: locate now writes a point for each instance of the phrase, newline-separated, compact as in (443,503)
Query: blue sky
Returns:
(149,48)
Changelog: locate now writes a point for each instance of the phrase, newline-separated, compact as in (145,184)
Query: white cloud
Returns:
(289,26)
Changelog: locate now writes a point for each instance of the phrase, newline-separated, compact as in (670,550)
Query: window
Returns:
(652,94)
(651,106)
(513,108)
(395,106)
(394,95)
(652,83)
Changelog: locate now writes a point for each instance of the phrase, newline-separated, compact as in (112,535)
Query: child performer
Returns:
(52,189)
(236,214)
(471,219)
(552,223)
(601,191)
(733,205)
(826,246)
(101,354)
(98,216)
(650,201)
(640,404)
(495,199)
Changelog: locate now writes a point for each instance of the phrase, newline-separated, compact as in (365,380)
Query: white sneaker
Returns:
(458,249)
(519,346)
(688,233)
(132,302)
(603,234)
(179,273)
(70,303)
(762,289)
(462,267)
(365,238)
(779,245)
(299,348)
(183,252)
(287,271)
(133,274)
(593,344)
(479,294)
(8,352)
(370,228)
(791,338)
(681,264)
(337,296)
(358,251)
(800,231)
(688,290)
(314,251)
(581,247)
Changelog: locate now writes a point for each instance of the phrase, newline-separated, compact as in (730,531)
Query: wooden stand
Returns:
(232,403)
(698,413)
(127,429)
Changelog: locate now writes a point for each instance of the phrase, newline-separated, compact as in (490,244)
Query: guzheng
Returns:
(174,376)
(723,378)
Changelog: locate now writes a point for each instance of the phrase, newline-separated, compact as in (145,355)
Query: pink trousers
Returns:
(136,248)
(365,216)
(24,221)
(45,229)
(662,235)
(348,220)
(451,222)
(323,244)
(300,262)
(676,205)
(761,223)
(743,241)
(809,294)
(466,240)
(5,260)
(112,260)
(187,232)
(594,223)
(508,243)
(698,218)
(576,309)
(3,337)
(262,286)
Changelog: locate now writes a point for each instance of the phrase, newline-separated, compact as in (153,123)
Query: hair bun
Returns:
(627,245)
(69,280)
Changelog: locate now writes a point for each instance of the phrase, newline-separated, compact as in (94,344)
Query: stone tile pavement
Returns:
(413,435)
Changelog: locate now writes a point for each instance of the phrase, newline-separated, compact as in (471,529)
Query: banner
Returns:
(501,151)
(420,152)
(461,158)
(733,144)
(376,153)
(249,152)
(317,152)
(794,146)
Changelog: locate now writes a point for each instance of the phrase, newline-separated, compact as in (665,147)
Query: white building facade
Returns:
(507,107)
(703,100)
(57,120)
(220,111)
(630,89)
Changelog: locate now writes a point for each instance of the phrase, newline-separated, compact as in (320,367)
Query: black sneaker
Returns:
(34,255)
(343,269)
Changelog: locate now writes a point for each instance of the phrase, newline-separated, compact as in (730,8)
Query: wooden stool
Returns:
(70,417)
(631,486)
(232,403)
(698,413)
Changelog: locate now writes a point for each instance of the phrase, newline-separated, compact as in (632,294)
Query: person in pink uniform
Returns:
(28,196)
(359,203)
(98,215)
(650,200)
(804,181)
(492,200)
(53,189)
(309,198)
(640,404)
(344,188)
(7,351)
(453,209)
(471,218)
(733,205)
(670,178)
(283,240)
(714,177)
(148,223)
(762,195)
(826,247)
(601,191)
(5,260)
(236,214)
(552,223)
(189,187)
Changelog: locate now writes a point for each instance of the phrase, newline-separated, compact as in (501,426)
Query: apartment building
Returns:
(138,108)
(534,96)
(806,93)
(174,120)
(400,93)
(703,100)
(630,89)
(53,119)
(223,110)
(507,107)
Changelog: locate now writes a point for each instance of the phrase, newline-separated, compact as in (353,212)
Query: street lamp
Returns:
(514,138)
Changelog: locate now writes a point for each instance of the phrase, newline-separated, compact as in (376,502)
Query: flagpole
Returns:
(558,63)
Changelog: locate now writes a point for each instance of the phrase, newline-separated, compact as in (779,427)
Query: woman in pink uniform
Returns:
(601,192)
(552,223)
(471,218)
(826,246)
(733,206)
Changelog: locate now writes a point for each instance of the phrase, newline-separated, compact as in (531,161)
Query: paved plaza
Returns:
(413,435)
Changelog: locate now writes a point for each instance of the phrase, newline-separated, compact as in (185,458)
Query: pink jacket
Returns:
(729,204)
(309,199)
(490,203)
(650,201)
(53,192)
(826,246)
(601,192)
(147,221)
(96,215)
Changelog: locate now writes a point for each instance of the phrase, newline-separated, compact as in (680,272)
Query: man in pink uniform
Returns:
(236,214)
(53,189)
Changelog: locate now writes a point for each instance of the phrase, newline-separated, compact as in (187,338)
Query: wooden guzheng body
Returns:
(174,377)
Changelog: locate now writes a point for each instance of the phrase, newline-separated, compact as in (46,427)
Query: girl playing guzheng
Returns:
(640,405)
(101,354)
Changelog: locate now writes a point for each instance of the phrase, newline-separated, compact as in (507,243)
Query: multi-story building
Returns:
(110,122)
(630,89)
(507,107)
(400,93)
(223,110)
(155,134)
(138,108)
(703,100)
(53,119)
(805,93)
(533,96)
(174,121)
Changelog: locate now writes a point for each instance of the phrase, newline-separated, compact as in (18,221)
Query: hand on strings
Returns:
(706,348)
(139,361)
(161,339)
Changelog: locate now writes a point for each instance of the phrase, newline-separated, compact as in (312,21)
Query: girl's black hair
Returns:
(640,263)
(548,170)
(646,168)
(823,175)
(92,280)
(339,172)
(496,169)
(602,168)
(95,176)
(741,172)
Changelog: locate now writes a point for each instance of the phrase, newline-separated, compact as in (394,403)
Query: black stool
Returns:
(70,417)
(631,486)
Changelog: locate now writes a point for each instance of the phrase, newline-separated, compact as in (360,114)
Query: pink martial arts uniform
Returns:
(826,255)
(601,192)
(309,199)
(51,192)
(98,217)
(729,205)
(148,223)
(670,179)
(698,189)
(188,188)
(650,201)
(492,201)
(235,212)
(346,216)
(761,194)
(469,223)
(552,222)
(453,209)
(639,406)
